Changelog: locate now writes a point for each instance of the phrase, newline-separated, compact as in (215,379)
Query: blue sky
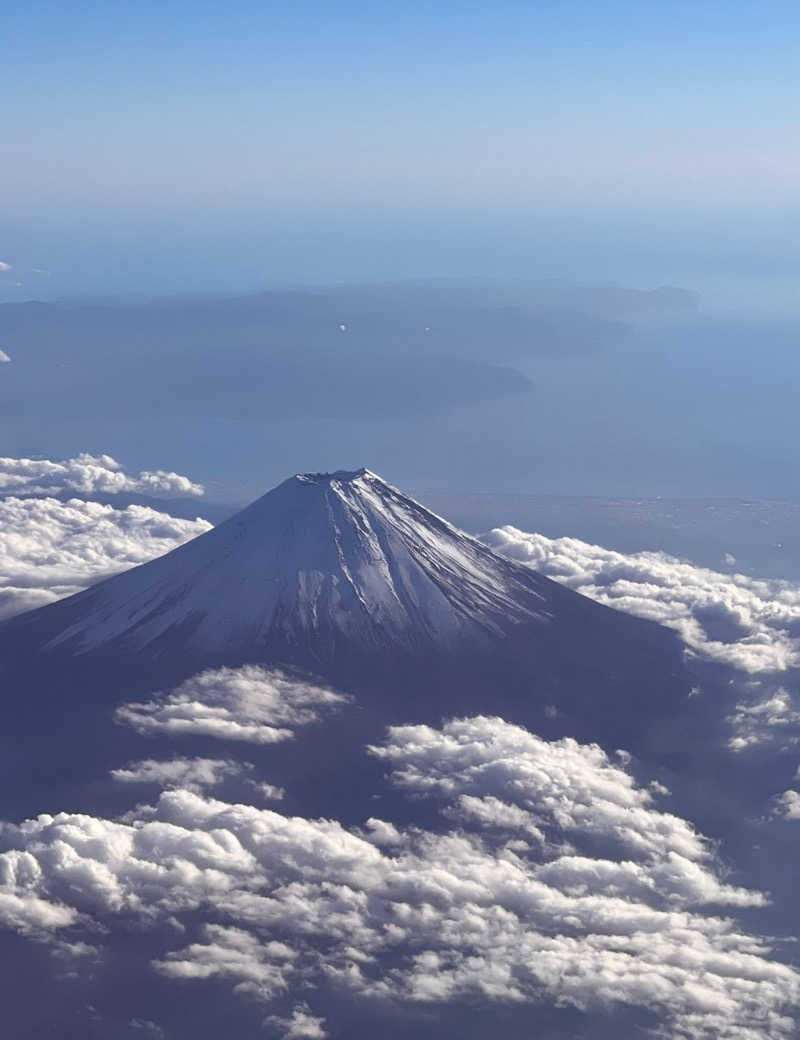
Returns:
(197,145)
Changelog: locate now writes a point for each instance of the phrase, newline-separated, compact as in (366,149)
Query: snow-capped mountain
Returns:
(342,579)
(324,565)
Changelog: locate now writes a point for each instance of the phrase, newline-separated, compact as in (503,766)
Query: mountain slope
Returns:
(323,565)
(341,578)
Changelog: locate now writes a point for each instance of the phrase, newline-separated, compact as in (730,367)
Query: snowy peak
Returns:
(324,565)
(341,476)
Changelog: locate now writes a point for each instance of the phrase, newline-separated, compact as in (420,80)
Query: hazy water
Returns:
(697,407)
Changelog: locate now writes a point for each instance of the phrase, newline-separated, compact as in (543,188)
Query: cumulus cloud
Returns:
(148,1028)
(607,903)
(88,474)
(260,969)
(787,805)
(751,624)
(251,704)
(302,1025)
(268,792)
(502,776)
(50,549)
(773,719)
(193,774)
(4,356)
(4,266)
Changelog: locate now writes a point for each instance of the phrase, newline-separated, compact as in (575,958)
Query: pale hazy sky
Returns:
(191,145)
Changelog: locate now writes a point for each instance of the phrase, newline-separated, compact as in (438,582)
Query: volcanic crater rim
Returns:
(343,476)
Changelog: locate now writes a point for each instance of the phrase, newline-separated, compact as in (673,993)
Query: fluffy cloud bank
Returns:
(558,880)
(88,474)
(50,548)
(751,624)
(251,704)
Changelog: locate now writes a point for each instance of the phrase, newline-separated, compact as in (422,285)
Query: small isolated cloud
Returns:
(50,549)
(193,774)
(772,720)
(149,1030)
(301,1025)
(750,624)
(251,704)
(609,901)
(4,266)
(268,792)
(4,357)
(88,474)
(787,805)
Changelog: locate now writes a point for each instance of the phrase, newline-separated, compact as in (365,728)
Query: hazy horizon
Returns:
(184,147)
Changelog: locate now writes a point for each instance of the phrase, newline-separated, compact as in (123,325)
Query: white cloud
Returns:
(302,1025)
(608,907)
(50,549)
(4,356)
(193,774)
(788,805)
(88,474)
(251,704)
(4,266)
(751,624)
(500,775)
(774,719)
(260,969)
(150,1029)
(268,792)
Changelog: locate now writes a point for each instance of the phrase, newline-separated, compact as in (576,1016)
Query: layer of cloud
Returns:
(501,776)
(566,885)
(251,704)
(50,549)
(88,474)
(751,624)
(192,774)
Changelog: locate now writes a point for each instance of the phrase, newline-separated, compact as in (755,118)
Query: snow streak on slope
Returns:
(322,560)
